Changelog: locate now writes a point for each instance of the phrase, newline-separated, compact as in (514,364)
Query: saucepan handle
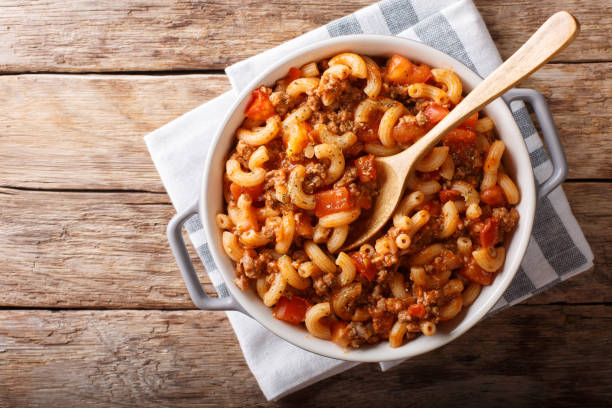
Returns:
(177,244)
(549,134)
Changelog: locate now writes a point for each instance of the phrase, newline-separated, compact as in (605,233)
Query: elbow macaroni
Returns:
(303,173)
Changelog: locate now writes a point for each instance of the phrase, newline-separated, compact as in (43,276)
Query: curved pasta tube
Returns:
(245,214)
(224,222)
(398,286)
(298,197)
(258,158)
(308,269)
(262,287)
(310,70)
(419,276)
(418,221)
(231,246)
(319,257)
(402,222)
(484,125)
(353,61)
(342,299)
(471,293)
(387,122)
(313,320)
(453,287)
(409,203)
(428,328)
(262,135)
(426,255)
(467,191)
(382,151)
(396,335)
(488,262)
(301,114)
(473,211)
(427,187)
(348,268)
(336,160)
(452,308)
(338,72)
(301,85)
(297,139)
(433,160)
(285,233)
(464,245)
(491,164)
(403,241)
(254,239)
(452,82)
(241,177)
(430,92)
(365,107)
(343,142)
(385,245)
(291,275)
(451,219)
(507,185)
(337,238)
(275,291)
(448,168)
(340,218)
(374,82)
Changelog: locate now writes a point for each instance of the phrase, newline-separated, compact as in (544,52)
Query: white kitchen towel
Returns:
(557,249)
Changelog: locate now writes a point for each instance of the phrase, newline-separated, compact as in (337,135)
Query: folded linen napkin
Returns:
(557,248)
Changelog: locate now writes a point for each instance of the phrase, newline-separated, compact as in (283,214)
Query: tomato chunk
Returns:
(366,169)
(433,208)
(294,73)
(339,333)
(417,310)
(494,196)
(254,192)
(476,274)
(460,136)
(369,133)
(448,195)
(291,310)
(332,201)
(488,234)
(470,123)
(364,265)
(303,225)
(406,132)
(401,71)
(435,113)
(260,107)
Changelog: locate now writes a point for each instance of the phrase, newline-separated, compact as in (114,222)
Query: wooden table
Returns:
(93,310)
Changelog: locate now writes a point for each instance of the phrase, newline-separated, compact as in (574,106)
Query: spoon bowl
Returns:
(553,36)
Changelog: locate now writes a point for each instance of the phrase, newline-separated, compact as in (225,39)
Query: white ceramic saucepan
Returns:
(516,161)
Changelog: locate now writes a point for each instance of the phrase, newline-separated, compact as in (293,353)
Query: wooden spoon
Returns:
(554,35)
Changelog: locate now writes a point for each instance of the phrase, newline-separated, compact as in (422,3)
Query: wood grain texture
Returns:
(524,356)
(109,250)
(132,35)
(54,124)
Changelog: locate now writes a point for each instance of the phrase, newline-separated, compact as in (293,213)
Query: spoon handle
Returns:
(554,35)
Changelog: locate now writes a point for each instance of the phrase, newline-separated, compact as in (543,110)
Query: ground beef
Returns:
(507,219)
(348,177)
(421,119)
(323,284)
(243,153)
(315,177)
(281,102)
(361,333)
(253,265)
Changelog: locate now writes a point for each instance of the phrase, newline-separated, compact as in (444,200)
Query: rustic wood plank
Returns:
(109,250)
(525,356)
(54,124)
(79,36)
(86,132)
